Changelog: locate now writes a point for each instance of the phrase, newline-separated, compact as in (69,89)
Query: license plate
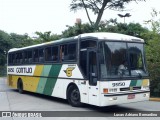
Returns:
(131,96)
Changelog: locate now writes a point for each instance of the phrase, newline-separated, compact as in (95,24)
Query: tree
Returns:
(153,61)
(4,46)
(77,29)
(153,53)
(47,36)
(18,40)
(98,7)
(13,40)
(133,29)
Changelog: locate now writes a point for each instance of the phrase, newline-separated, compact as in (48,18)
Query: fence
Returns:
(3,71)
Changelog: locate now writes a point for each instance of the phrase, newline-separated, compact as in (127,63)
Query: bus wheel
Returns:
(20,86)
(73,96)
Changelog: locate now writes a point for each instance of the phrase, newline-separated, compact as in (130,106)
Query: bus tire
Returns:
(20,86)
(73,96)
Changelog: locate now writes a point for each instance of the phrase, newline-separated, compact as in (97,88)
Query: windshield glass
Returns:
(121,59)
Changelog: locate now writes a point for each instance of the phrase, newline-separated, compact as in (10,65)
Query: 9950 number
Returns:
(118,84)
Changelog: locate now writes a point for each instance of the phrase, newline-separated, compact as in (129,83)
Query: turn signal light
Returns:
(105,90)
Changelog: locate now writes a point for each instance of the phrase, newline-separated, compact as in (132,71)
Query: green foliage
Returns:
(4,46)
(153,53)
(46,36)
(18,41)
(153,61)
(133,29)
(77,29)
(153,56)
(13,40)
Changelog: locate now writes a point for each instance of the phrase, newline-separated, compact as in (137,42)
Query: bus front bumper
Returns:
(115,99)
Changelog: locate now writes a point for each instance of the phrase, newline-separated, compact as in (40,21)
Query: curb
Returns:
(154,99)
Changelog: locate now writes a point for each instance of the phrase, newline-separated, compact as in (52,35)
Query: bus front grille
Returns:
(130,88)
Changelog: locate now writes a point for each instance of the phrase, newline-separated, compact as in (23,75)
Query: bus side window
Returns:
(16,60)
(41,55)
(13,58)
(20,58)
(35,55)
(64,53)
(25,57)
(48,54)
(68,52)
(88,44)
(72,51)
(55,53)
(30,56)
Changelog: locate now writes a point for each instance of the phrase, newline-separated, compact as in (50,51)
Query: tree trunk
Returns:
(87,12)
(100,14)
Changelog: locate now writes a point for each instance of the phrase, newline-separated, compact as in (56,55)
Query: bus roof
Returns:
(98,35)
(112,36)
(43,44)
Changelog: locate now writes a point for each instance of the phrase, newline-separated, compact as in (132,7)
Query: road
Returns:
(11,100)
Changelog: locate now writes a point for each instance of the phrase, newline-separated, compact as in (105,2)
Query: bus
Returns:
(100,69)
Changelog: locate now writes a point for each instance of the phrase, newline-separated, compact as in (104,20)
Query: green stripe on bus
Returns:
(133,83)
(46,70)
(139,83)
(50,83)
(54,72)
(41,85)
(42,81)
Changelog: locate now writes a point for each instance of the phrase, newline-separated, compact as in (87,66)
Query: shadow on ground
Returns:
(108,109)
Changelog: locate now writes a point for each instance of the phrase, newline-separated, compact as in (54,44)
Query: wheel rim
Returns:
(75,96)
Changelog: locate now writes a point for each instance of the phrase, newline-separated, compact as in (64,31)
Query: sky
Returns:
(29,16)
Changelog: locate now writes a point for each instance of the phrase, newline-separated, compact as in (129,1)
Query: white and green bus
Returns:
(100,69)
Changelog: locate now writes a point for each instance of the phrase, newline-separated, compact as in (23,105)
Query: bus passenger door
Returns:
(84,84)
(93,88)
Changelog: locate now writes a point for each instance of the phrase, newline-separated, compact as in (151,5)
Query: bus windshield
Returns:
(122,59)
